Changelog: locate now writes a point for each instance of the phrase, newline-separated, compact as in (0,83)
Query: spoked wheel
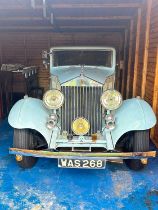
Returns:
(138,141)
(23,139)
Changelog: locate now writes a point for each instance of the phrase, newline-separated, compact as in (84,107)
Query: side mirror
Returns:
(45,58)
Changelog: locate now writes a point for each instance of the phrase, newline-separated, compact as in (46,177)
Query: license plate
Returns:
(81,163)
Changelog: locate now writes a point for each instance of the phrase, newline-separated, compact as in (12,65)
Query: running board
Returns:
(81,155)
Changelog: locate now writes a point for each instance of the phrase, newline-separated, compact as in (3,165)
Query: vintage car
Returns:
(82,120)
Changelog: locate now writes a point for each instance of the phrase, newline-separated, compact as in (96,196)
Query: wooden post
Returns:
(137,52)
(1,59)
(25,49)
(145,60)
(33,4)
(155,98)
(129,58)
(124,58)
(44,9)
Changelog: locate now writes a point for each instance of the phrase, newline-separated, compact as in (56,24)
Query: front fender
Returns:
(30,113)
(134,114)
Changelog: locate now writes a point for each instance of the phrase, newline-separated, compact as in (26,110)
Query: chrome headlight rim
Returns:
(48,99)
(111,99)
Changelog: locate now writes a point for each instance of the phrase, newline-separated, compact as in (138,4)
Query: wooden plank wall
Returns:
(136,78)
(151,89)
(153,44)
(141,51)
(26,48)
(131,67)
(148,51)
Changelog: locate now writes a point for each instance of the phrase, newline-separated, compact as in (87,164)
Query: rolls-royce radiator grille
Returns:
(81,102)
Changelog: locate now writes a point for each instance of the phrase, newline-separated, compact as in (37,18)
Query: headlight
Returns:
(111,99)
(80,126)
(53,99)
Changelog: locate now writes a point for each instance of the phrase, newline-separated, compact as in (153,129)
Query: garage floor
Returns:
(47,187)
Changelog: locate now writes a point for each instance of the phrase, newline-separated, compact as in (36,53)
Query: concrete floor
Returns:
(47,187)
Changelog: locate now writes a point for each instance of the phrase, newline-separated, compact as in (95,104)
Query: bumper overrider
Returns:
(83,155)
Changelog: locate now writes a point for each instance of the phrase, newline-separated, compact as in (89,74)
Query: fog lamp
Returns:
(80,126)
(109,121)
(111,99)
(53,99)
(52,121)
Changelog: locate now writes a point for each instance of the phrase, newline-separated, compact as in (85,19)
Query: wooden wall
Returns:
(153,44)
(141,51)
(151,89)
(145,71)
(26,48)
(137,56)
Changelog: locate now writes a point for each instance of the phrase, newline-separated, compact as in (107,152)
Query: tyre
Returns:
(23,139)
(137,141)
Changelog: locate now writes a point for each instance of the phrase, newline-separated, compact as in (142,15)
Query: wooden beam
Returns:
(26,27)
(52,18)
(124,67)
(20,18)
(25,48)
(44,9)
(90,27)
(56,30)
(136,62)
(71,6)
(129,59)
(155,99)
(63,27)
(118,71)
(1,53)
(93,18)
(15,7)
(25,12)
(145,60)
(33,4)
(101,5)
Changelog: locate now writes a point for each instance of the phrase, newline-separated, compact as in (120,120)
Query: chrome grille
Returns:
(81,102)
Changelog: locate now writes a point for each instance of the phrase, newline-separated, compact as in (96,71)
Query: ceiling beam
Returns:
(62,27)
(71,6)
(101,5)
(20,18)
(93,27)
(25,27)
(69,27)
(15,7)
(68,18)
(94,18)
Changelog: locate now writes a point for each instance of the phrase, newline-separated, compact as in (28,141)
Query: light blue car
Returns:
(82,120)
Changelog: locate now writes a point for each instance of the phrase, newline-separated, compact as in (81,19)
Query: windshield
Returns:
(82,57)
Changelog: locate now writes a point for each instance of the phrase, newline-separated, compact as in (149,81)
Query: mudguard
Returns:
(134,114)
(30,113)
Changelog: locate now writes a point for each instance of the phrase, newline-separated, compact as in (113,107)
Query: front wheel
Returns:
(137,141)
(23,139)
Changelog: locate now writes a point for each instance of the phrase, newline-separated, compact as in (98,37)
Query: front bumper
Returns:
(82,155)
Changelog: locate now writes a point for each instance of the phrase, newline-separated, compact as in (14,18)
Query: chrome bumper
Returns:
(83,155)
